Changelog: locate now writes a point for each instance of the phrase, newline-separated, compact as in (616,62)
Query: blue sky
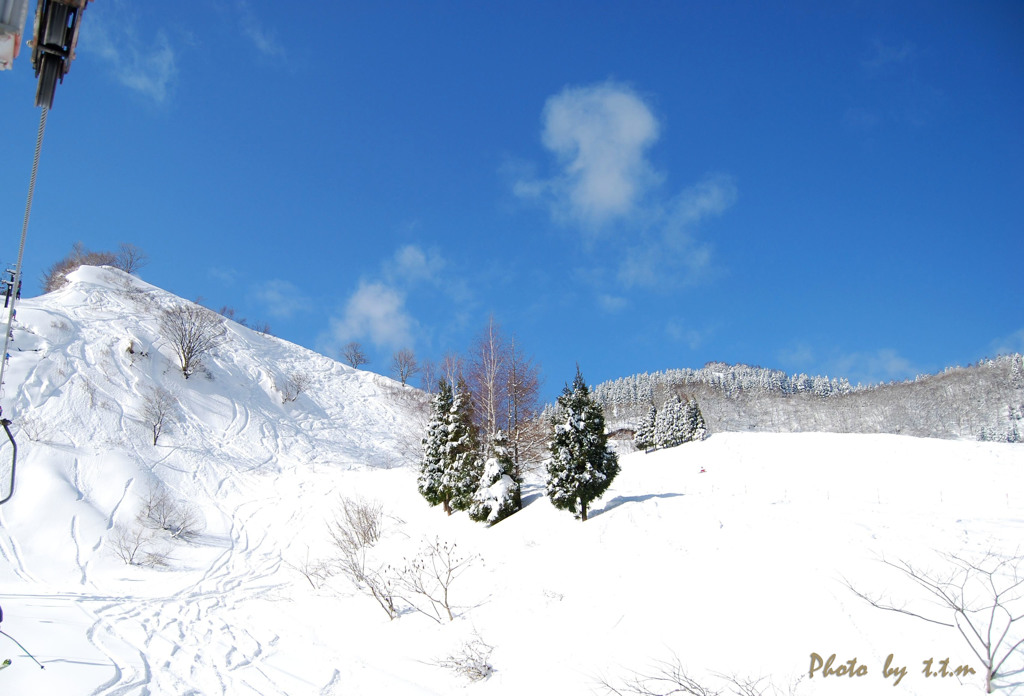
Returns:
(831,188)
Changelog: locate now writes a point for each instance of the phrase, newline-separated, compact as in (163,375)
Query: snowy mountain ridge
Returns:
(727,553)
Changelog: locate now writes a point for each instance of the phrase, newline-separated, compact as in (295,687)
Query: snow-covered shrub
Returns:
(498,494)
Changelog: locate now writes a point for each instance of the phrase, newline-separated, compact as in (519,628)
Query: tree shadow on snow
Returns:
(623,499)
(530,493)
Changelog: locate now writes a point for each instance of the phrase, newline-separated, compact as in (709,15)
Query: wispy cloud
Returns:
(281,299)
(883,365)
(145,64)
(679,331)
(412,264)
(254,30)
(599,136)
(1014,343)
(612,303)
(882,55)
(668,253)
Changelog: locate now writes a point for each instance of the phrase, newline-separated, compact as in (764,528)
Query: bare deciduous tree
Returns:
(428,376)
(158,409)
(403,365)
(486,376)
(983,600)
(522,393)
(354,355)
(193,331)
(161,510)
(452,368)
(294,384)
(130,543)
(130,258)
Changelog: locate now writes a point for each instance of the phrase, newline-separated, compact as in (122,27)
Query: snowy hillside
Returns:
(729,555)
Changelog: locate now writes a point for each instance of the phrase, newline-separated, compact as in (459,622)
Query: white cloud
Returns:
(376,312)
(144,64)
(253,29)
(599,135)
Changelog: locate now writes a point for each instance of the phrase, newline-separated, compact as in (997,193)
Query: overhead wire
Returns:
(21,246)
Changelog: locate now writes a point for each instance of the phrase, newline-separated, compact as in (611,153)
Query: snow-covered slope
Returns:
(727,554)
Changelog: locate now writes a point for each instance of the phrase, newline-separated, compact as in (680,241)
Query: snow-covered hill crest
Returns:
(89,359)
(726,554)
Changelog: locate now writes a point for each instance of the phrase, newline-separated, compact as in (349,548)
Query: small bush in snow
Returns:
(358,525)
(426,581)
(472,661)
(135,545)
(161,510)
(294,384)
(354,531)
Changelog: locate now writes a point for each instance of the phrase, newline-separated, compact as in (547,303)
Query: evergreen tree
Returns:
(581,466)
(644,437)
(497,495)
(431,482)
(696,428)
(462,455)
(450,467)
(670,424)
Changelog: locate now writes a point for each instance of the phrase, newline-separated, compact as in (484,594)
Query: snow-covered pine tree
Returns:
(696,428)
(498,495)
(581,466)
(464,465)
(644,437)
(670,424)
(431,481)
(450,467)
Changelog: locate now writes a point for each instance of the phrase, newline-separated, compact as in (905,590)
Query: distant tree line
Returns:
(984,401)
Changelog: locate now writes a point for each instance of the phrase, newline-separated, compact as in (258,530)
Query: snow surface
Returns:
(737,571)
